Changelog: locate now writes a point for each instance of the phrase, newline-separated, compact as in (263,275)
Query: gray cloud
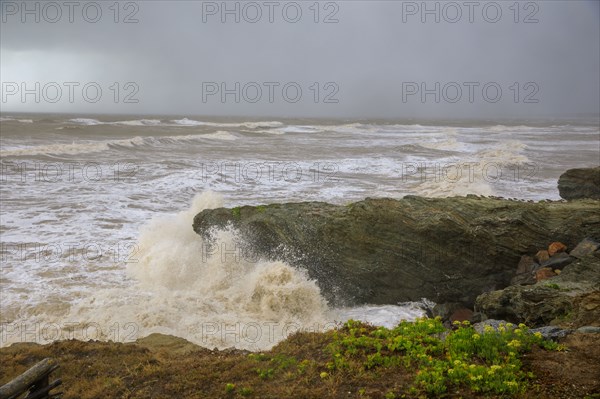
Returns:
(366,56)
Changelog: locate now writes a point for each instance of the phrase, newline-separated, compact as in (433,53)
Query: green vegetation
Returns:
(488,362)
(236,212)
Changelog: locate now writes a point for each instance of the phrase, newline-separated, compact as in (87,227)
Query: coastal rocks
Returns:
(556,247)
(552,332)
(384,251)
(542,256)
(549,263)
(584,248)
(526,271)
(589,330)
(570,299)
(580,183)
(450,312)
(544,273)
(558,261)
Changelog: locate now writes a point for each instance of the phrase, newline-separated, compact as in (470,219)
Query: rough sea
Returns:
(96,213)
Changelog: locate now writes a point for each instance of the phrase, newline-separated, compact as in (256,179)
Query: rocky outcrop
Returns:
(386,251)
(571,299)
(580,183)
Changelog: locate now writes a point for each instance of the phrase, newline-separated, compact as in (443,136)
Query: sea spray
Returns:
(214,301)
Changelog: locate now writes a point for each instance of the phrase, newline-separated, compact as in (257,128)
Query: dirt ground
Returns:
(160,366)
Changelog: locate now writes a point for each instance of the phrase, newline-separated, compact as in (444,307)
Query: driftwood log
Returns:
(35,381)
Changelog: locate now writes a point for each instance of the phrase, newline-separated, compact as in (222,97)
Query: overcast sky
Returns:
(339,59)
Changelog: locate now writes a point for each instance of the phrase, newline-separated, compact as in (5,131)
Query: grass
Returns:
(413,360)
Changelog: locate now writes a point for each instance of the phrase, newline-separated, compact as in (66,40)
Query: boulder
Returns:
(586,247)
(525,271)
(580,183)
(385,251)
(450,312)
(542,256)
(552,332)
(556,247)
(589,330)
(571,299)
(544,273)
(558,261)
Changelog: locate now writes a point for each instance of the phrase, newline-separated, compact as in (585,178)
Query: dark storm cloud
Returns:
(544,56)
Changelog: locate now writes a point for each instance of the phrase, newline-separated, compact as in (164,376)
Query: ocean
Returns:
(96,213)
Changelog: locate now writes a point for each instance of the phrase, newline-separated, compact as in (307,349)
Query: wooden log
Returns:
(43,392)
(22,383)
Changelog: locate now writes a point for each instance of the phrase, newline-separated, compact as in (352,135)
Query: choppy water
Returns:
(96,213)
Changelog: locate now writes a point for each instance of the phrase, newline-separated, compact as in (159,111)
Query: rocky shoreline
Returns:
(464,253)
(482,259)
(385,251)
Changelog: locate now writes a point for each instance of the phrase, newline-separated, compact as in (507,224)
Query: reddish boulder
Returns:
(461,314)
(542,256)
(544,273)
(556,247)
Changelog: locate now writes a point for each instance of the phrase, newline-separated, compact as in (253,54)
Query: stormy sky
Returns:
(354,59)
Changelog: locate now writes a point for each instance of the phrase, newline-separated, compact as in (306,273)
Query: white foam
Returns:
(140,122)
(73,148)
(248,125)
(189,122)
(383,315)
(86,121)
(186,288)
(7,119)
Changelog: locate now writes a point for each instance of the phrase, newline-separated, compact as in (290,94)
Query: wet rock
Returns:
(525,271)
(570,299)
(558,261)
(384,251)
(552,332)
(584,248)
(589,330)
(580,183)
(544,273)
(556,247)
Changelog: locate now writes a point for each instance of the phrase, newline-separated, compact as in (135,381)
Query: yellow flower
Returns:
(518,331)
(509,325)
(488,329)
(476,336)
(472,366)
(324,374)
(521,325)
(538,334)
(457,362)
